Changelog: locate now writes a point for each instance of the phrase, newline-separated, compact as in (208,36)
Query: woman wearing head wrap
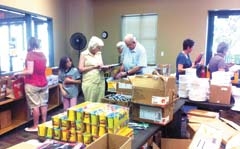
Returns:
(90,62)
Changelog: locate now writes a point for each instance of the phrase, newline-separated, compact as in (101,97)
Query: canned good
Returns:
(94,119)
(49,132)
(94,130)
(56,133)
(65,135)
(79,136)
(42,130)
(102,131)
(87,138)
(72,136)
(71,115)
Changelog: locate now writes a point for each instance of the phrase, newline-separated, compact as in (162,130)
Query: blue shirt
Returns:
(135,57)
(72,89)
(185,61)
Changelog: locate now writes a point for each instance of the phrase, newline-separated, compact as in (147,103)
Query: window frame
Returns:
(140,37)
(28,18)
(210,30)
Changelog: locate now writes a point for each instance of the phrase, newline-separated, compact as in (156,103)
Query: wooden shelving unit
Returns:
(18,115)
(19,109)
(54,97)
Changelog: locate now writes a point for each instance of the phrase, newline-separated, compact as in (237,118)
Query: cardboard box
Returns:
(124,86)
(151,114)
(23,145)
(203,113)
(111,141)
(5,118)
(225,130)
(168,143)
(153,90)
(220,94)
(206,137)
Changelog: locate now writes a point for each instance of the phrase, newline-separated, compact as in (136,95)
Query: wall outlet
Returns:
(162,53)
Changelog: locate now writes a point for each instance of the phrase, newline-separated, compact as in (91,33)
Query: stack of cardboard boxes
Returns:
(153,98)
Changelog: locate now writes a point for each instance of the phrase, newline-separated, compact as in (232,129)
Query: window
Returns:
(16,27)
(224,25)
(144,28)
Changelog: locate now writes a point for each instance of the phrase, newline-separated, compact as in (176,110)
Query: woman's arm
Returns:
(28,70)
(63,91)
(180,68)
(72,81)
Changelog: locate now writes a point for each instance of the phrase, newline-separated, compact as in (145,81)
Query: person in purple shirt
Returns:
(217,62)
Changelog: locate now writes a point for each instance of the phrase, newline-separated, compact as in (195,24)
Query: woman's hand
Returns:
(68,80)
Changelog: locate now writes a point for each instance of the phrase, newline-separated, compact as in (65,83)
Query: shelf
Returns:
(15,124)
(51,107)
(8,100)
(20,113)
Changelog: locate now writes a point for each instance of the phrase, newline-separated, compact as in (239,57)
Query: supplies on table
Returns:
(184,80)
(220,87)
(221,78)
(164,69)
(111,85)
(4,85)
(52,79)
(86,122)
(119,99)
(199,89)
(18,87)
(124,86)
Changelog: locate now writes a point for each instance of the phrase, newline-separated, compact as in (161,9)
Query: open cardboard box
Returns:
(124,86)
(155,90)
(111,141)
(23,145)
(226,131)
(170,143)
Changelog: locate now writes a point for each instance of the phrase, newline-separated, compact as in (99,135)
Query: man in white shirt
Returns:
(134,58)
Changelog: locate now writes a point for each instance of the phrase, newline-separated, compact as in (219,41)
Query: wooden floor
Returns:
(18,135)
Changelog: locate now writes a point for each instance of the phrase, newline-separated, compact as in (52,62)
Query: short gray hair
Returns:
(120,44)
(130,37)
(95,42)
(222,47)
